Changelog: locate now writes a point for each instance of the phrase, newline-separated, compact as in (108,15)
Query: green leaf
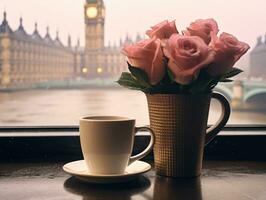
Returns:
(232,72)
(140,75)
(226,80)
(204,83)
(128,81)
(170,75)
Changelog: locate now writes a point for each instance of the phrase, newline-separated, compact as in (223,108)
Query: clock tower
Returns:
(94,12)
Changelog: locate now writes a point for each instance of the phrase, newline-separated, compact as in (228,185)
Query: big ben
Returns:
(94,12)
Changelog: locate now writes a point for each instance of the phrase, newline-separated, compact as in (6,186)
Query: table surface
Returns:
(236,180)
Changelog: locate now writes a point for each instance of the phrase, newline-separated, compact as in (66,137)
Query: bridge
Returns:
(245,95)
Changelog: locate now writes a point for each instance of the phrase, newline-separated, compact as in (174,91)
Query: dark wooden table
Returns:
(236,180)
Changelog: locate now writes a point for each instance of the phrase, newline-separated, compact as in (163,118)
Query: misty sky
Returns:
(244,18)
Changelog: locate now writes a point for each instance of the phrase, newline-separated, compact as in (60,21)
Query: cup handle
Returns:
(217,127)
(146,151)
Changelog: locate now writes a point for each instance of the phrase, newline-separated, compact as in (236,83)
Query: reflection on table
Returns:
(238,180)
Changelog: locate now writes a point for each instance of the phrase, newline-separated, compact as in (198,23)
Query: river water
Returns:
(65,107)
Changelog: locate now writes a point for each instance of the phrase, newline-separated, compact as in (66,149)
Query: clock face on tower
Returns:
(91,12)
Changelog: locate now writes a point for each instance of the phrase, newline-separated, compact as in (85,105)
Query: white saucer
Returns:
(80,170)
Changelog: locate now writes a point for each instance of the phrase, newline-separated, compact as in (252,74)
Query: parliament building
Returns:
(28,59)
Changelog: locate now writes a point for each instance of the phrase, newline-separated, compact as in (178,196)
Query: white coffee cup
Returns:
(107,143)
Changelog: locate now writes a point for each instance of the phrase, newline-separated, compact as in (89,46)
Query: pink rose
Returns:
(228,50)
(162,30)
(203,29)
(148,56)
(187,56)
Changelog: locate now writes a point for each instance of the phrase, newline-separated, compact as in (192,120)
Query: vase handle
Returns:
(217,127)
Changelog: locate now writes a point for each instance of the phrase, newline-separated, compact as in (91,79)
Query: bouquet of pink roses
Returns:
(190,62)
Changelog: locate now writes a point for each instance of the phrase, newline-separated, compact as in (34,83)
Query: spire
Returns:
(127,37)
(20,21)
(4,20)
(259,41)
(4,27)
(69,41)
(21,24)
(57,39)
(57,35)
(78,43)
(47,32)
(36,34)
(20,32)
(120,42)
(47,36)
(35,27)
(138,37)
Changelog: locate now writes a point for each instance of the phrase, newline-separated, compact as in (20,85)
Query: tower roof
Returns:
(57,40)
(69,41)
(4,27)
(21,28)
(47,37)
(35,35)
(260,46)
(20,32)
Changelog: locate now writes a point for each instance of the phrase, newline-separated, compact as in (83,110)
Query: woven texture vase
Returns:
(179,123)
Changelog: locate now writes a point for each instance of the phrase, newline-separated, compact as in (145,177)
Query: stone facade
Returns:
(28,59)
(258,60)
